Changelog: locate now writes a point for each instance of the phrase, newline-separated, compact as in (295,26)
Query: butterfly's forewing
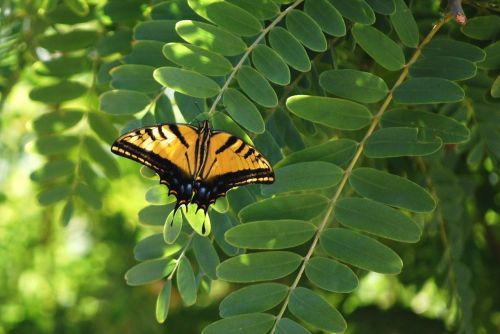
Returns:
(168,149)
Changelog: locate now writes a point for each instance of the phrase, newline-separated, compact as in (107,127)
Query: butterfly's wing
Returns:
(168,149)
(230,163)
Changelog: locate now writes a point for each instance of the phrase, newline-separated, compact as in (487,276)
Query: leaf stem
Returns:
(183,253)
(247,53)
(352,164)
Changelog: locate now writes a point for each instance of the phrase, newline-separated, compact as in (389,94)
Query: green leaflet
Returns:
(321,271)
(287,326)
(303,207)
(271,65)
(386,7)
(210,37)
(360,251)
(327,16)
(228,16)
(262,9)
(186,282)
(59,92)
(147,53)
(157,30)
(252,299)
(52,170)
(172,227)
(153,247)
(399,141)
(243,111)
(482,27)
(258,267)
(451,68)
(404,24)
(311,308)
(57,121)
(119,102)
(304,176)
(306,30)
(69,41)
(427,91)
(256,87)
(255,323)
(378,46)
(290,49)
(376,218)
(187,82)
(206,255)
(336,113)
(149,271)
(53,194)
(445,47)
(270,234)
(391,189)
(163,302)
(355,10)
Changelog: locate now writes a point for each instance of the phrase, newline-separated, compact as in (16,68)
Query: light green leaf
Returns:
(429,125)
(290,49)
(197,59)
(158,194)
(331,275)
(134,77)
(404,23)
(256,87)
(492,61)
(51,145)
(304,176)
(360,251)
(482,27)
(270,64)
(385,7)
(69,41)
(262,9)
(253,299)
(172,227)
(163,302)
(495,88)
(59,92)
(451,68)
(391,189)
(243,111)
(337,151)
(210,37)
(380,47)
(205,254)
(447,47)
(398,142)
(228,16)
(79,7)
(355,10)
(153,247)
(315,310)
(53,194)
(119,102)
(258,267)
(186,282)
(287,326)
(157,30)
(355,85)
(302,207)
(427,91)
(255,323)
(376,218)
(52,170)
(306,30)
(336,113)
(57,121)
(149,271)
(270,234)
(186,82)
(197,219)
(327,16)
(222,223)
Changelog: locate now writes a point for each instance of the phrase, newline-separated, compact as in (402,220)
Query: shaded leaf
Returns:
(206,256)
(53,194)
(186,82)
(186,282)
(447,47)
(149,271)
(326,16)
(306,30)
(355,10)
(134,77)
(482,27)
(451,68)
(59,92)
(404,24)
(271,65)
(256,87)
(255,323)
(287,326)
(120,102)
(243,111)
(331,275)
(290,49)
(163,302)
(428,90)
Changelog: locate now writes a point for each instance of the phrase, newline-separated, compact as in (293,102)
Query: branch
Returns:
(355,159)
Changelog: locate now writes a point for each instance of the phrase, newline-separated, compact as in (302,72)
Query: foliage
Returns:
(380,118)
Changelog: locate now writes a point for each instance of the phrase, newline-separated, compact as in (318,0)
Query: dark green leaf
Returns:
(404,24)
(53,194)
(270,234)
(256,87)
(355,10)
(315,310)
(153,247)
(355,85)
(57,121)
(64,66)
(89,195)
(306,30)
(450,68)
(258,267)
(287,326)
(134,77)
(210,37)
(304,176)
(157,30)
(290,49)
(119,102)
(262,9)
(102,126)
(482,27)
(391,189)
(427,91)
(147,53)
(149,271)
(253,299)
(445,47)
(67,213)
(385,7)
(55,144)
(327,16)
(378,219)
(255,323)
(380,47)
(492,61)
(360,251)
(155,214)
(186,282)
(68,41)
(206,255)
(398,142)
(331,275)
(186,82)
(101,157)
(303,207)
(243,111)
(52,170)
(271,65)
(115,42)
(329,111)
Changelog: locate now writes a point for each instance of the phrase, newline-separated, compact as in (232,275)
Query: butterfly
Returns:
(197,164)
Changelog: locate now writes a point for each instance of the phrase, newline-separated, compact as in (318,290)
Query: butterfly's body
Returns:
(198,165)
